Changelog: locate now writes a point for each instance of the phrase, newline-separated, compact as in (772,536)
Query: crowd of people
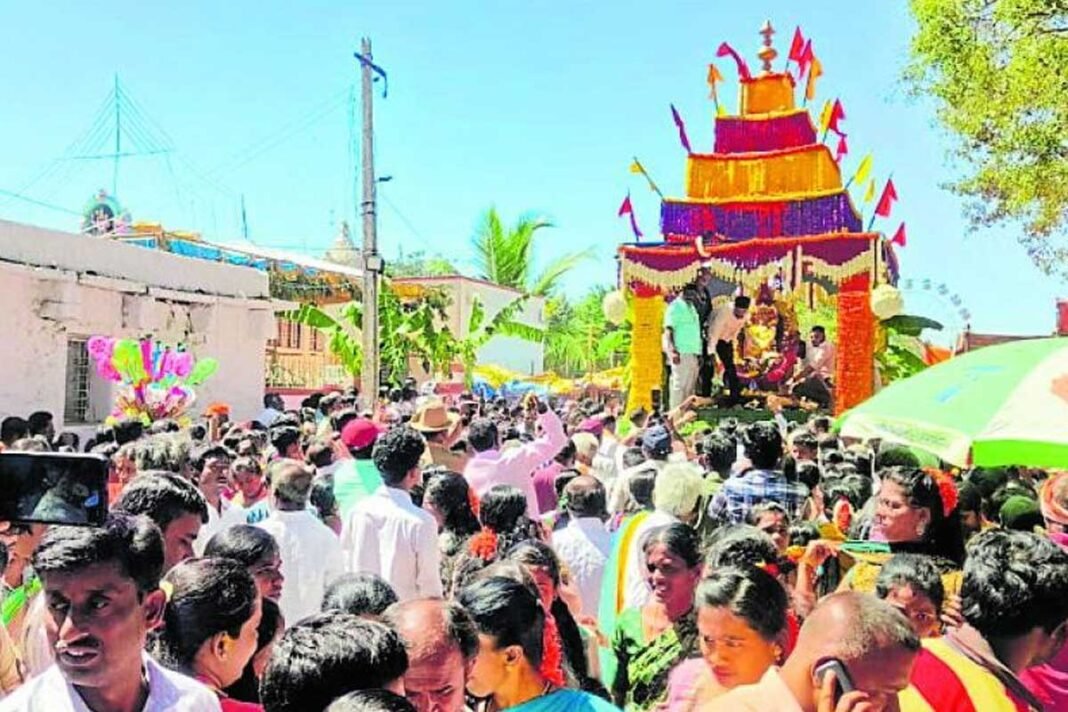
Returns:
(441,554)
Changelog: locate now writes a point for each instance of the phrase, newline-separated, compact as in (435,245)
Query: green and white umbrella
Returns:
(999,405)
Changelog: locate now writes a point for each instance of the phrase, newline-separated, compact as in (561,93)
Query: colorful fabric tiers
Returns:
(684,219)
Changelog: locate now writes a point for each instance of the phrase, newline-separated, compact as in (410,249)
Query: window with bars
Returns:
(76,405)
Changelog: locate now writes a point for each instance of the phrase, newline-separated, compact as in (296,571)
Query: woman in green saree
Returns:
(650,641)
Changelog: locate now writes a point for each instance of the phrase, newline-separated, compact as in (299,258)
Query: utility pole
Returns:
(372,263)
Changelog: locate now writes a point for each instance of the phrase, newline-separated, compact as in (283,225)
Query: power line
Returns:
(25,198)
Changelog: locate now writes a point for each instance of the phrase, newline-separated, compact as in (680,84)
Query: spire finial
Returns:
(767,53)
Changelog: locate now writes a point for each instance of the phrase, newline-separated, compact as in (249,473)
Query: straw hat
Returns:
(434,417)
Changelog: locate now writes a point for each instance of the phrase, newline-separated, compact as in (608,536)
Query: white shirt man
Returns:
(725,325)
(168,691)
(585,545)
(821,359)
(310,551)
(386,534)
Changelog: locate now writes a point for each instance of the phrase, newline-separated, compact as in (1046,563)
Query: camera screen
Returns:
(53,488)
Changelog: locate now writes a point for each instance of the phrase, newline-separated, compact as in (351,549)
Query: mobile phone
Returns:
(53,488)
(843,683)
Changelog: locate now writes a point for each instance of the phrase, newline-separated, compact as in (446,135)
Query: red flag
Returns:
(628,209)
(837,114)
(797,46)
(725,50)
(900,237)
(805,60)
(886,202)
(683,138)
(843,148)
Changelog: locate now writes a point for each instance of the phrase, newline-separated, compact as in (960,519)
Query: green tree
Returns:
(504,255)
(578,337)
(419,264)
(480,331)
(405,331)
(998,71)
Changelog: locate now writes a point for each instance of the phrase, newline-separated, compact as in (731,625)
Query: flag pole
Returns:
(873,215)
(648,177)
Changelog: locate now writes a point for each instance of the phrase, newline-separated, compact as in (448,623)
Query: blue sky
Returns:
(527,105)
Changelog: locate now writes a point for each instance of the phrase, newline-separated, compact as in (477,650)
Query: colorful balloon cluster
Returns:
(155,380)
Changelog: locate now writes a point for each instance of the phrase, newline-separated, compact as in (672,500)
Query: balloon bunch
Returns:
(155,380)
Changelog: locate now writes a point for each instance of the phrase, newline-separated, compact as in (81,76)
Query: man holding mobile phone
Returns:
(854,654)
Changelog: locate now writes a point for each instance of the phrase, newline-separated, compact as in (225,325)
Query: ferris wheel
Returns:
(935,299)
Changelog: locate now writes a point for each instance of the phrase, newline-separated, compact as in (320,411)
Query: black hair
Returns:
(327,655)
(969,498)
(587,501)
(450,495)
(918,572)
(818,328)
(482,434)
(509,612)
(680,539)
(206,597)
(750,593)
(13,428)
(127,430)
(397,453)
(360,594)
(38,422)
(135,543)
(370,701)
(199,457)
(896,456)
(641,486)
(284,437)
(632,457)
(752,517)
(162,497)
(164,425)
(921,489)
(319,454)
(763,444)
(540,554)
(1001,495)
(503,509)
(738,545)
(1013,582)
(807,440)
(719,452)
(802,533)
(321,496)
(243,543)
(342,418)
(327,402)
(808,474)
(247,688)
(567,452)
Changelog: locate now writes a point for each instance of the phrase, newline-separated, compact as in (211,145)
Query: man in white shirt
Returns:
(311,554)
(102,589)
(211,467)
(386,534)
(515,466)
(584,544)
(815,380)
(724,329)
(273,408)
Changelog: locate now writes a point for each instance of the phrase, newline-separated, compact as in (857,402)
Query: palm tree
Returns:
(504,255)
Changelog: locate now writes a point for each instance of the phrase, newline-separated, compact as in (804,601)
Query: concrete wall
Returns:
(55,287)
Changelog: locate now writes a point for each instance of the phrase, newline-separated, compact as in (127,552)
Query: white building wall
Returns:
(48,297)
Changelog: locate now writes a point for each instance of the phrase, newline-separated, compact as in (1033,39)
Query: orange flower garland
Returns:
(854,377)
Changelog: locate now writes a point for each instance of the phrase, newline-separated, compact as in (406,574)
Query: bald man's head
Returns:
(431,627)
(871,638)
(585,497)
(441,641)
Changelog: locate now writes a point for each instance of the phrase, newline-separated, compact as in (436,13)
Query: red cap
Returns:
(358,434)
